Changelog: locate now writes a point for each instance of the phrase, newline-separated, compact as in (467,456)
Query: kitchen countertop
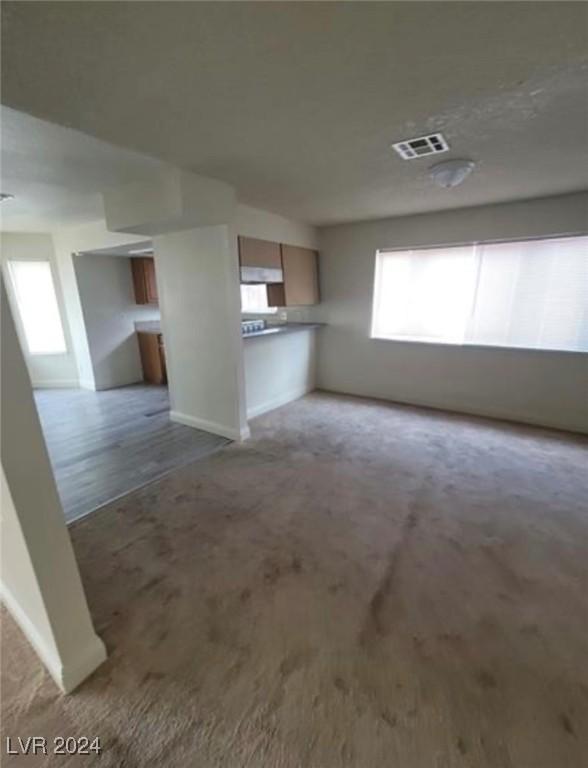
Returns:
(148,326)
(272,330)
(279,330)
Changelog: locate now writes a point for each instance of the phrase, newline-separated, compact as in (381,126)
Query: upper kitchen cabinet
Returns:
(259,253)
(144,282)
(300,286)
(290,272)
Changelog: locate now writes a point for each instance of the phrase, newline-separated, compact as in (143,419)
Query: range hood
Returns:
(261,275)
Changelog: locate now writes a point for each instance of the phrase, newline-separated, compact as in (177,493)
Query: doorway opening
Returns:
(106,425)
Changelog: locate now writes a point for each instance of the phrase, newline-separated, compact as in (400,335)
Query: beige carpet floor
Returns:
(361,584)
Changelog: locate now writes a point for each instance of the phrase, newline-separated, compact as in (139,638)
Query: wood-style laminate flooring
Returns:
(105,444)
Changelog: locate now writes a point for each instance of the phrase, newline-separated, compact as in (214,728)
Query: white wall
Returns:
(44,370)
(253,222)
(20,590)
(278,369)
(108,304)
(539,387)
(177,200)
(67,242)
(40,582)
(198,283)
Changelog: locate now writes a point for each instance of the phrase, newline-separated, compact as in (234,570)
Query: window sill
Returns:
(456,344)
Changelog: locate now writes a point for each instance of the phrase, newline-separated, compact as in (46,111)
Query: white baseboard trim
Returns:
(47,655)
(88,384)
(277,402)
(498,414)
(101,386)
(66,676)
(214,427)
(55,384)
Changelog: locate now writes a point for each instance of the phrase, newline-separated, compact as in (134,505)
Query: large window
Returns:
(37,306)
(531,294)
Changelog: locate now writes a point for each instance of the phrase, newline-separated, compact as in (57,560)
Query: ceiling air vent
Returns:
(421,146)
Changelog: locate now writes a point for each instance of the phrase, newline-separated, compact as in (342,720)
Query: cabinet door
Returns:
(276,296)
(150,282)
(144,283)
(301,285)
(162,359)
(259,253)
(151,360)
(139,285)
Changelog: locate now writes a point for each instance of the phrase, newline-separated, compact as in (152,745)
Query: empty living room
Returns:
(294,384)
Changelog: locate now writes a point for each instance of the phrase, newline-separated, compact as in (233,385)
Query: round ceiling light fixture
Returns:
(451,172)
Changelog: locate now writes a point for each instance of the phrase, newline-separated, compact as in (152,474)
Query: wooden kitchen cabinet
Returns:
(144,282)
(259,253)
(301,286)
(152,353)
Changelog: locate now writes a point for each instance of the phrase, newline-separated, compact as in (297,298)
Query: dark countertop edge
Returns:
(277,330)
(280,330)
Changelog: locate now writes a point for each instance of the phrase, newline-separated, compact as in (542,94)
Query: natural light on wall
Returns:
(37,306)
(531,294)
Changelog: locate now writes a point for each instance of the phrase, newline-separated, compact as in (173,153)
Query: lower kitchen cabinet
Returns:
(152,351)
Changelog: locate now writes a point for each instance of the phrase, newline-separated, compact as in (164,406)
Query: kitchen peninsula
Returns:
(279,358)
(279,365)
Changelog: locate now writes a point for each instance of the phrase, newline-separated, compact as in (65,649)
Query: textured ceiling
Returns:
(297,104)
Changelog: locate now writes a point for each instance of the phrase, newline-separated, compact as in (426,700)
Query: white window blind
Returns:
(37,306)
(531,294)
(423,295)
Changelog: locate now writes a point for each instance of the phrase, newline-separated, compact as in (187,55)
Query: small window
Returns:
(531,294)
(37,306)
(254,300)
